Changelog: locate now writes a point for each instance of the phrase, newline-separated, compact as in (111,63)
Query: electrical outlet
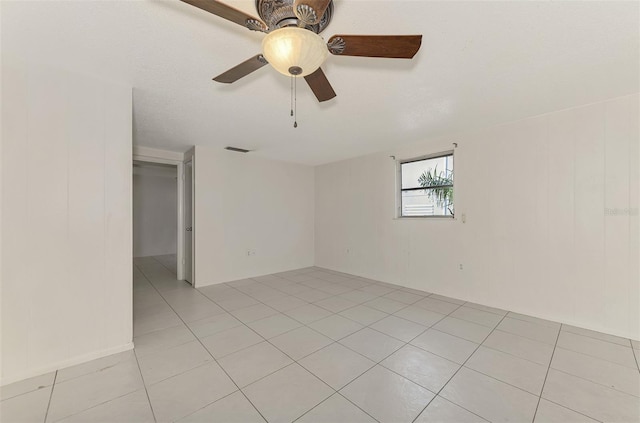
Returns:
(460,266)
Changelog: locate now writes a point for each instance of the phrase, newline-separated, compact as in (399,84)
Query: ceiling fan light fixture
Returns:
(294,51)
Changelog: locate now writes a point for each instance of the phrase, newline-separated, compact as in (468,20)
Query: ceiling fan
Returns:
(292,44)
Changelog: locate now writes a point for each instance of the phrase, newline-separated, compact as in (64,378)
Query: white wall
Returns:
(551,230)
(247,203)
(155,211)
(66,219)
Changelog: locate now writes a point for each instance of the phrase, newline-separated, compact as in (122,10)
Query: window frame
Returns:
(400,190)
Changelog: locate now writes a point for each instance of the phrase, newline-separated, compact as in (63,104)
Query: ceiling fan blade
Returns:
(242,70)
(391,46)
(310,11)
(320,85)
(229,13)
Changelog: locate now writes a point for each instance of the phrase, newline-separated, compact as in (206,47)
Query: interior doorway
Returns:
(155,212)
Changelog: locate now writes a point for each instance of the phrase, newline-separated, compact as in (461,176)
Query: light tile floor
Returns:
(314,345)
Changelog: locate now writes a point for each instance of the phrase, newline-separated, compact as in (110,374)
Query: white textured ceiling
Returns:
(481,63)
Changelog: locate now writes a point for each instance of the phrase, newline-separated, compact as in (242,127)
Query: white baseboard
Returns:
(65,363)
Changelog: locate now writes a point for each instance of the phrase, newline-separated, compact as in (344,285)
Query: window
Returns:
(426,186)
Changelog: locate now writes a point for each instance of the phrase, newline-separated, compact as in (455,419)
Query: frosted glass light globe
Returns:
(294,51)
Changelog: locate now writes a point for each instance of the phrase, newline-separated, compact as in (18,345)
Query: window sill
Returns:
(425,218)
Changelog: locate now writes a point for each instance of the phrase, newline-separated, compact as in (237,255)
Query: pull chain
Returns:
(295,102)
(291,102)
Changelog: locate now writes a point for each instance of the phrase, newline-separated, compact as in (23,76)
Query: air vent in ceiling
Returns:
(236,149)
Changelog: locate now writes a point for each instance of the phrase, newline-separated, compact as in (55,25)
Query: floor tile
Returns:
(230,341)
(172,361)
(253,313)
(274,325)
(420,315)
(526,348)
(363,314)
(597,348)
(537,332)
(521,373)
(294,289)
(253,363)
(596,370)
(488,309)
(162,339)
(480,317)
(419,366)
(445,345)
(300,342)
(377,289)
(27,385)
(404,297)
(26,408)
(489,398)
(313,295)
(463,329)
(336,365)
(237,302)
(416,291)
(188,392)
(199,311)
(442,411)
(336,409)
(335,304)
(234,408)
(335,288)
(133,407)
(151,323)
(432,304)
(549,412)
(86,391)
(92,366)
(531,319)
(398,328)
(358,296)
(214,324)
(308,313)
(598,335)
(284,303)
(335,327)
(372,344)
(263,293)
(387,396)
(591,399)
(447,299)
(212,290)
(287,394)
(385,304)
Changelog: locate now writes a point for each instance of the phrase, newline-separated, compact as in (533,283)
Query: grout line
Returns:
(146,391)
(53,385)
(599,339)
(609,387)
(456,372)
(547,374)
(203,346)
(635,355)
(377,296)
(266,340)
(571,409)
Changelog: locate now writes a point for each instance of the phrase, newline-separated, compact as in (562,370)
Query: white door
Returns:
(188,222)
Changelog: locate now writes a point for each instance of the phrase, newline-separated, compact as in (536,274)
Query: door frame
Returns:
(190,156)
(152,155)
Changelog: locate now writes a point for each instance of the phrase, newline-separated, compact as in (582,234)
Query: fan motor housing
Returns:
(279,14)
